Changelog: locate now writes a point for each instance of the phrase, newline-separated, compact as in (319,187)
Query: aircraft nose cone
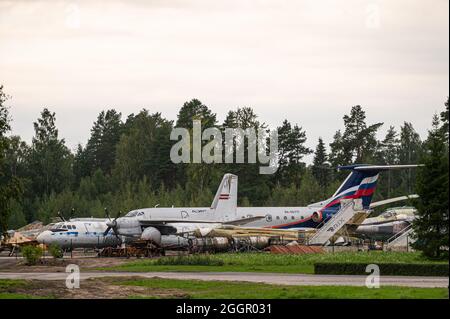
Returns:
(43,237)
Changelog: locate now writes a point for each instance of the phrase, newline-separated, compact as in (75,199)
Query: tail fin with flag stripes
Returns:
(225,201)
(360,183)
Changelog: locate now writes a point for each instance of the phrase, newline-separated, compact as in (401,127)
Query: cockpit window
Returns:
(140,213)
(74,227)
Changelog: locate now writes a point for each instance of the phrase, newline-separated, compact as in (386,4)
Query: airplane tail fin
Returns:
(360,183)
(225,201)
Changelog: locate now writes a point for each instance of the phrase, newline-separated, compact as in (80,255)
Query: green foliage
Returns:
(291,150)
(49,160)
(321,169)
(397,269)
(32,254)
(358,142)
(431,226)
(10,185)
(55,251)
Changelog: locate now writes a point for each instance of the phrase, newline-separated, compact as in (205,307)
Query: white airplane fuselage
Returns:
(81,233)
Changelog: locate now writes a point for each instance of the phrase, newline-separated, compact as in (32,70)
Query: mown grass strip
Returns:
(266,262)
(197,289)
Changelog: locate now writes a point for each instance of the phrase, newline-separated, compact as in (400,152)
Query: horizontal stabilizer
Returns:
(393,200)
(365,167)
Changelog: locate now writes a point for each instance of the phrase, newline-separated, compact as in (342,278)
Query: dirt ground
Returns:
(108,288)
(51,265)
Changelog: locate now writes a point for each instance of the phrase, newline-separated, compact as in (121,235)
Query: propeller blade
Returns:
(60,216)
(107,213)
(107,231)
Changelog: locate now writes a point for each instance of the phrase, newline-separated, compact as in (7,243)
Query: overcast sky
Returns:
(308,61)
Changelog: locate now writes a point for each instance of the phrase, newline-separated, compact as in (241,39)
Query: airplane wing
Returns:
(393,200)
(244,221)
(237,222)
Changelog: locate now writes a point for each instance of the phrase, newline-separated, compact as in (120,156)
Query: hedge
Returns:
(386,269)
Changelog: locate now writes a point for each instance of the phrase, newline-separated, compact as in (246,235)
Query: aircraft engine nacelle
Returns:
(317,217)
(152,234)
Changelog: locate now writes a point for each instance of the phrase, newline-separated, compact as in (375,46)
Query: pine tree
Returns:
(445,121)
(387,154)
(291,150)
(321,168)
(195,110)
(431,225)
(252,185)
(359,140)
(409,153)
(100,151)
(49,160)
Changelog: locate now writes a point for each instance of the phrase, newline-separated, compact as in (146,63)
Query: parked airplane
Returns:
(360,183)
(79,233)
(152,223)
(96,232)
(389,223)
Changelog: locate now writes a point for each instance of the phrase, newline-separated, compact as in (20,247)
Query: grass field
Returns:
(265,262)
(7,287)
(193,289)
(157,288)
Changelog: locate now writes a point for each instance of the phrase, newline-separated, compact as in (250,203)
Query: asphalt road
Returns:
(268,278)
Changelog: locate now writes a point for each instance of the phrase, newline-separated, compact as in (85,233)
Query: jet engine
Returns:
(152,234)
(317,217)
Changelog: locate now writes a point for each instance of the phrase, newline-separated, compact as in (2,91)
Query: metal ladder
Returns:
(348,209)
(398,237)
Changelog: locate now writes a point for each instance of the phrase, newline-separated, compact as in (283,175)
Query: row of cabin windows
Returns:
(59,226)
(278,217)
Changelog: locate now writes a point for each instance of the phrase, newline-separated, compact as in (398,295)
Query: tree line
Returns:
(126,163)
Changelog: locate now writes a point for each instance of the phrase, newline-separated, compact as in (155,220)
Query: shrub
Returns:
(55,251)
(32,254)
(386,269)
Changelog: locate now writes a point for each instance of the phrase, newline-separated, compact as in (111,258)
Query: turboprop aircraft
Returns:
(96,232)
(79,233)
(152,223)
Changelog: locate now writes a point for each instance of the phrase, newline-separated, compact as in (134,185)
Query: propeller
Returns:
(107,213)
(112,224)
(61,216)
